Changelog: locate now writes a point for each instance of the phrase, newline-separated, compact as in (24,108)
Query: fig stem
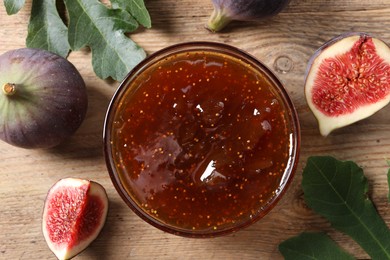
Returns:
(9,89)
(218,20)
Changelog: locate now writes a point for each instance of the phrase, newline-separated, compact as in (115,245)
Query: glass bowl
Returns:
(201,139)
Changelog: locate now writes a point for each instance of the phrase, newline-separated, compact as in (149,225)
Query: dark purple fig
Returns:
(347,80)
(226,11)
(43,98)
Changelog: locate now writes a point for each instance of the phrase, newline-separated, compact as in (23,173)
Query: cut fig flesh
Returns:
(74,214)
(348,79)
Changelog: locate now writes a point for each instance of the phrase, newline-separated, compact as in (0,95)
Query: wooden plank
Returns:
(294,34)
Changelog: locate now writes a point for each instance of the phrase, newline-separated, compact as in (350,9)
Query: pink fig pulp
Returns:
(348,79)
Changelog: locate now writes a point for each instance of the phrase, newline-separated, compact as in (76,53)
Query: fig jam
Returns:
(202,141)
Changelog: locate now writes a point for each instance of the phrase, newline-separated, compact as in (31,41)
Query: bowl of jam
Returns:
(201,139)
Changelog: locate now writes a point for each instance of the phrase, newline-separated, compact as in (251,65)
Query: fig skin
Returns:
(226,11)
(359,88)
(43,99)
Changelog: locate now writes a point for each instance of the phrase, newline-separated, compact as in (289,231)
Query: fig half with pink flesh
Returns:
(347,80)
(74,214)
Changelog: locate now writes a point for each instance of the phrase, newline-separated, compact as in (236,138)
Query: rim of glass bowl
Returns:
(199,46)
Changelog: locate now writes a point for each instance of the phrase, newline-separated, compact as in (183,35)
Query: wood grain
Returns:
(295,33)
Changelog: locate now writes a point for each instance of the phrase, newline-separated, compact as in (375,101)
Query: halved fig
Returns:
(347,80)
(74,213)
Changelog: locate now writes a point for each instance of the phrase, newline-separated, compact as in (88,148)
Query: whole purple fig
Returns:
(226,11)
(43,99)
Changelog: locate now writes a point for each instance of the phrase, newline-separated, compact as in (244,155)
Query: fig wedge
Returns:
(347,80)
(74,213)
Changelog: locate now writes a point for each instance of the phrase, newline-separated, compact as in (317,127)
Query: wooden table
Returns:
(294,34)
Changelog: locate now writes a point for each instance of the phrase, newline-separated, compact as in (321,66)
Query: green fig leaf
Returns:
(13,6)
(103,29)
(337,190)
(136,8)
(46,30)
(312,246)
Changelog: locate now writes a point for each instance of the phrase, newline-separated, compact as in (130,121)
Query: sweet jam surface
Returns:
(201,142)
